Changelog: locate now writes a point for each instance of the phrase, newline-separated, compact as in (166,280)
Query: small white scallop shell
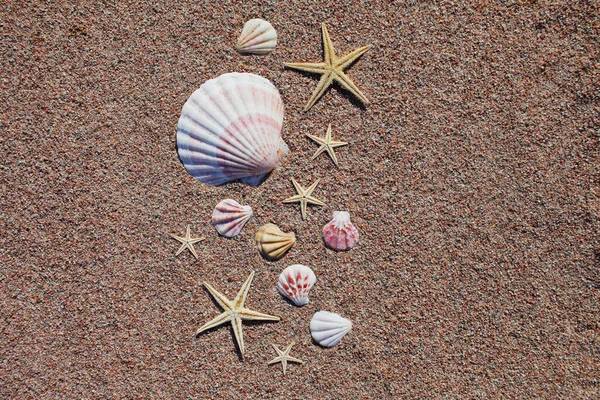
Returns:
(258,37)
(230,129)
(295,282)
(229,217)
(328,328)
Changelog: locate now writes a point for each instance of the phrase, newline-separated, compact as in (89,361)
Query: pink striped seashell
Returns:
(295,282)
(340,234)
(229,217)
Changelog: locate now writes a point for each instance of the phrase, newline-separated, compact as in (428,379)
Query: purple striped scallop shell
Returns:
(229,217)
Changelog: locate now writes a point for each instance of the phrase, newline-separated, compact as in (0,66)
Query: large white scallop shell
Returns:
(328,328)
(258,37)
(295,282)
(230,129)
(229,217)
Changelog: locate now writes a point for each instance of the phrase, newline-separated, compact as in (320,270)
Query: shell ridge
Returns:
(244,155)
(241,138)
(256,32)
(257,37)
(203,153)
(224,219)
(251,128)
(208,134)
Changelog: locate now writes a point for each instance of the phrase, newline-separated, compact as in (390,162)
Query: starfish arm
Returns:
(284,364)
(328,134)
(312,187)
(238,333)
(322,86)
(327,46)
(222,300)
(279,352)
(240,299)
(275,360)
(251,315)
(319,151)
(293,199)
(343,62)
(313,200)
(293,359)
(348,84)
(335,143)
(315,68)
(196,240)
(303,208)
(218,320)
(332,155)
(317,139)
(182,248)
(297,186)
(178,238)
(193,250)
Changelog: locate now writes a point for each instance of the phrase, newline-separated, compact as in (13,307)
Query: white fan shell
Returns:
(258,37)
(328,328)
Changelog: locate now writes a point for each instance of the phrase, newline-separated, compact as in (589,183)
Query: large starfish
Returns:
(284,357)
(332,69)
(326,145)
(187,242)
(304,196)
(235,312)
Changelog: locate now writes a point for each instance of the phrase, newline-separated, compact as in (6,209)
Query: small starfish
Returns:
(304,196)
(332,69)
(326,145)
(235,312)
(284,357)
(187,242)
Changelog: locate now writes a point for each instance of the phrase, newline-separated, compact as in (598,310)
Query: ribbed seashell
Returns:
(229,217)
(328,328)
(295,282)
(340,234)
(272,242)
(230,129)
(258,37)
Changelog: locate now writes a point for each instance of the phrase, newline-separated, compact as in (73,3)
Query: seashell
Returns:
(340,234)
(272,242)
(229,217)
(328,328)
(258,37)
(230,129)
(295,282)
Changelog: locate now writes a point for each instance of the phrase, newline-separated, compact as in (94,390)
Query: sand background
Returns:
(472,177)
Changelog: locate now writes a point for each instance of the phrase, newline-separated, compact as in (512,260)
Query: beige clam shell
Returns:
(272,242)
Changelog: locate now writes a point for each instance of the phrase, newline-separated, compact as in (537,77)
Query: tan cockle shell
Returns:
(272,242)
(258,37)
